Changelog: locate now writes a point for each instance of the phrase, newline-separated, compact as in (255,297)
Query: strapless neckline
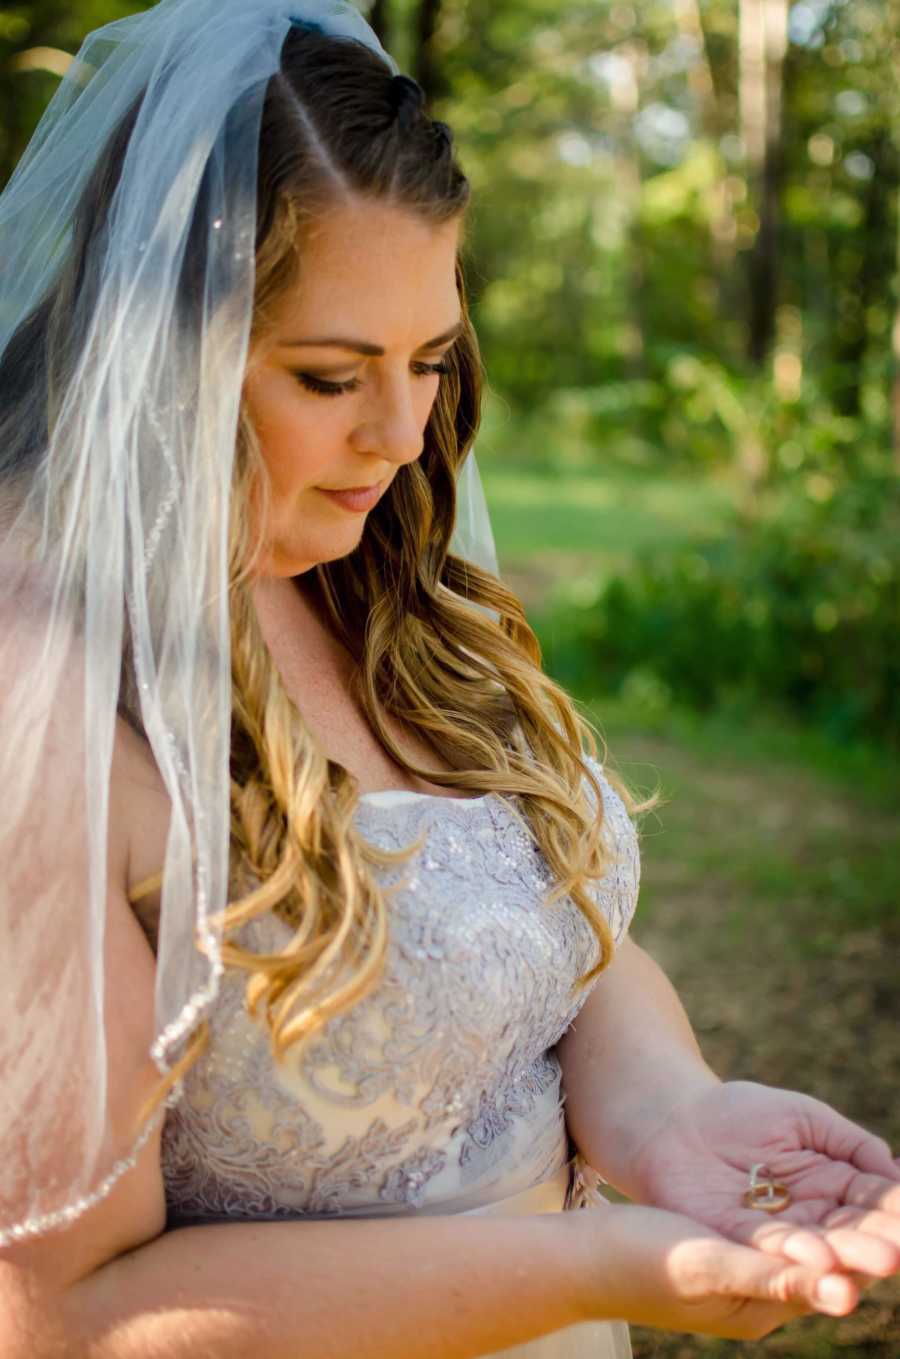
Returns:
(386,796)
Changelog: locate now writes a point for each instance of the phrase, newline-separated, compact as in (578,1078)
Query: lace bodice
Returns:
(442,1086)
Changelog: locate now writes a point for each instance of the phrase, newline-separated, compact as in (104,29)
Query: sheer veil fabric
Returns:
(113,528)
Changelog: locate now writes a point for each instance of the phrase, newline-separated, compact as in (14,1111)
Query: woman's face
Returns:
(340,390)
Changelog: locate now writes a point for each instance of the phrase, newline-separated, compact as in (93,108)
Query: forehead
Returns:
(381,270)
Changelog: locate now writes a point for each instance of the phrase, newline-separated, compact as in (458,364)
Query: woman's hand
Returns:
(663,1270)
(844,1184)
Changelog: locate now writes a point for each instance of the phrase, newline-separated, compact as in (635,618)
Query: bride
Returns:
(320,1019)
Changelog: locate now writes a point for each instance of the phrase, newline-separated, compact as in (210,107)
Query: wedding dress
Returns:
(441,1091)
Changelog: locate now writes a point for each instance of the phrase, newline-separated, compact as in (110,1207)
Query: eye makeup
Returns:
(322,387)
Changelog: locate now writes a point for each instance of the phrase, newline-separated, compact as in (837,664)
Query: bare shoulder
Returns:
(143,823)
(133,763)
(43,738)
(45,774)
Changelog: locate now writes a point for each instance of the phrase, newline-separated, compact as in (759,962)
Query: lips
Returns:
(357,499)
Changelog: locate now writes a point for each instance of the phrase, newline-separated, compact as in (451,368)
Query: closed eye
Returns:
(322,387)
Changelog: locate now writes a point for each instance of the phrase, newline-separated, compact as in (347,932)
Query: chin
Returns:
(295,562)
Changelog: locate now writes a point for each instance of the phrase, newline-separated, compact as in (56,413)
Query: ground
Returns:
(782,983)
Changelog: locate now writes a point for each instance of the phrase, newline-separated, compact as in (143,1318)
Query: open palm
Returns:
(844,1183)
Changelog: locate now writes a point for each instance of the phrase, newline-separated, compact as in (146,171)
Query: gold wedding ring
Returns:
(765,1194)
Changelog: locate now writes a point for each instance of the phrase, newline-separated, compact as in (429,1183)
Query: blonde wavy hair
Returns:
(469,684)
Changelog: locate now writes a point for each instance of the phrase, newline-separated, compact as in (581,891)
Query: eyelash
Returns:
(322,387)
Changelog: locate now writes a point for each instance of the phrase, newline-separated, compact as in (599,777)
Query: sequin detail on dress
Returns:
(444,1082)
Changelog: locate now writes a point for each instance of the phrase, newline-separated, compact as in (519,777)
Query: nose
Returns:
(394,425)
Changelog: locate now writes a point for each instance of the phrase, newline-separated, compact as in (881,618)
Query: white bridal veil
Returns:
(113,529)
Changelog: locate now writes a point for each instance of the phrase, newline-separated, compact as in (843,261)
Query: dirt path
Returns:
(787,981)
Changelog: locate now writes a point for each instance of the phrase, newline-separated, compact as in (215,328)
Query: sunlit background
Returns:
(683,265)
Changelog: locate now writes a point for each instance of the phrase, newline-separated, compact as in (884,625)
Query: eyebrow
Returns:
(364,347)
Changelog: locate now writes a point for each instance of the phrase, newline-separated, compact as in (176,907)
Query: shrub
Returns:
(801,610)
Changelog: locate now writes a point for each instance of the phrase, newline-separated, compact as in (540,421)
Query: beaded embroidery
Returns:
(441,1082)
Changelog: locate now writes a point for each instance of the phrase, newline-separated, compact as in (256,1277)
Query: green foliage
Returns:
(615,214)
(615,217)
(706,414)
(802,610)
(28,33)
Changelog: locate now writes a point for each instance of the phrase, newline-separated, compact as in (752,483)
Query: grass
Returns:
(770,814)
(772,822)
(606,516)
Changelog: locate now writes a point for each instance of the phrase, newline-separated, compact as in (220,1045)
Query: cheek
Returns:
(427,400)
(294,440)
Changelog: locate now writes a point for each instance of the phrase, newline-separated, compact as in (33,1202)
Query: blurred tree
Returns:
(895,355)
(893,27)
(683,249)
(842,177)
(763,43)
(426,65)
(32,37)
(684,237)
(379,17)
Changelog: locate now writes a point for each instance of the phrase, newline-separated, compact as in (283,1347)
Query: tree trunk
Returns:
(893,19)
(379,20)
(763,45)
(701,78)
(425,64)
(866,281)
(895,355)
(626,100)
(702,81)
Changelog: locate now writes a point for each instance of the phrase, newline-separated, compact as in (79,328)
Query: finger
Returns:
(872,1191)
(800,1244)
(836,1295)
(796,1285)
(843,1140)
(859,1251)
(884,1228)
(873,1155)
(872,1220)
(743,1272)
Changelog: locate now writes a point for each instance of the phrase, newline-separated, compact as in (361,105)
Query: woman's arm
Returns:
(646,1111)
(628,1061)
(422,1288)
(113,1286)
(428,1288)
